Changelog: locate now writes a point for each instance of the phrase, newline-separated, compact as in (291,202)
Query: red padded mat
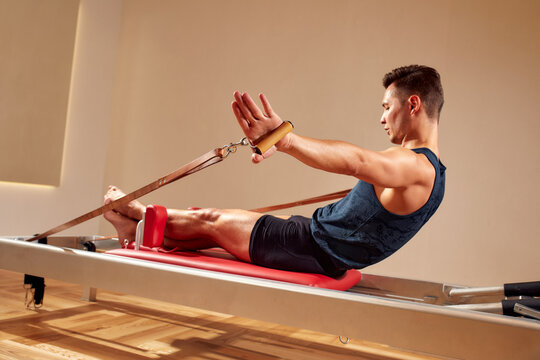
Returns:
(221,261)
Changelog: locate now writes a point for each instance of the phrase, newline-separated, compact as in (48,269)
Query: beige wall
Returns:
(320,63)
(37,40)
(29,209)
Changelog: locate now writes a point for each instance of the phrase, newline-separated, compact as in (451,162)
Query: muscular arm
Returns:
(393,168)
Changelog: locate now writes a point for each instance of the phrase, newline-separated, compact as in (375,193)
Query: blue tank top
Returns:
(358,231)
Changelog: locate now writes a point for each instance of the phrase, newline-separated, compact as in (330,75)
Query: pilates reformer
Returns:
(420,316)
(426,317)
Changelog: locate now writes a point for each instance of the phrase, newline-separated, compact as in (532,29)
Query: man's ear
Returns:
(414,103)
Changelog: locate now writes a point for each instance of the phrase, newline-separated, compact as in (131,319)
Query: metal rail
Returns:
(420,327)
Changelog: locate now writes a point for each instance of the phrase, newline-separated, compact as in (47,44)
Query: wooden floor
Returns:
(118,326)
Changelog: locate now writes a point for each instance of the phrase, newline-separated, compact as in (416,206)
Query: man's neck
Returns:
(426,135)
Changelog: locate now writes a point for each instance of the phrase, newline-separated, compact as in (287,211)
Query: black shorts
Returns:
(289,245)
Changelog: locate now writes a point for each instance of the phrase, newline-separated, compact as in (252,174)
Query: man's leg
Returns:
(191,229)
(228,229)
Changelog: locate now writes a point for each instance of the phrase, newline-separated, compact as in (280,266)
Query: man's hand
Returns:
(256,123)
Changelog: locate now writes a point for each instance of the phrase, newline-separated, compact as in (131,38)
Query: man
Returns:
(398,189)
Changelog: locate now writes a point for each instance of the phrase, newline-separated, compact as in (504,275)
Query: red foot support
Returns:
(154,228)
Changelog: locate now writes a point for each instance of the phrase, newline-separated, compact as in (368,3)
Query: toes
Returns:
(113,193)
(113,189)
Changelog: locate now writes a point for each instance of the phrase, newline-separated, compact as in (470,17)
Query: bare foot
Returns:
(125,227)
(134,209)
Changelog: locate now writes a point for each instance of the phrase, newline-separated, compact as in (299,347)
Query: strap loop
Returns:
(232,147)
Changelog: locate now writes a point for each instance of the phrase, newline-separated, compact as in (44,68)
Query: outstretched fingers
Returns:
(244,109)
(266,104)
(254,110)
(253,121)
(242,121)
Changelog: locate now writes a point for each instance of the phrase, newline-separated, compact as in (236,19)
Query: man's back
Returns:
(358,231)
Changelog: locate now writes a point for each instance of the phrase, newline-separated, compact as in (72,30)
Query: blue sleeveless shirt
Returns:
(358,231)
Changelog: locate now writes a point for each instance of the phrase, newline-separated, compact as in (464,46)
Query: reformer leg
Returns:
(89,293)
(35,287)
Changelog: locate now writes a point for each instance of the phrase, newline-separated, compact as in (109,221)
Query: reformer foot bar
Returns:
(398,321)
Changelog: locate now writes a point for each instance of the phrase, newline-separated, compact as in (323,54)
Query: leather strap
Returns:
(210,158)
(312,200)
(200,163)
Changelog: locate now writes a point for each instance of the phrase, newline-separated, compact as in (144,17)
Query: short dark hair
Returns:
(420,80)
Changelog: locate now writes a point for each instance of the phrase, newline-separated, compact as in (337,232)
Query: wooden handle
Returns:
(271,139)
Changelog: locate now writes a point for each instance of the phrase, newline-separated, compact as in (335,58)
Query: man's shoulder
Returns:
(421,153)
(402,152)
(423,166)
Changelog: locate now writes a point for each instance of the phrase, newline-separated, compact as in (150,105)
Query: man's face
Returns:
(394,117)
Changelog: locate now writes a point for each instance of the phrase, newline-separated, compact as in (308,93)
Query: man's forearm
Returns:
(328,155)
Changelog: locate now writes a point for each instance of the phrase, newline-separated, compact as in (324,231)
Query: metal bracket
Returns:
(526,311)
